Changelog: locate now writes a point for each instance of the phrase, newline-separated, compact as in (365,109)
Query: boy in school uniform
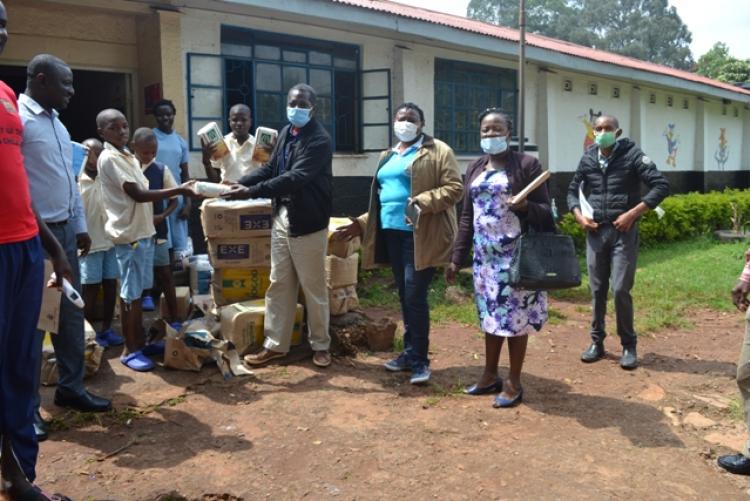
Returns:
(99,267)
(130,225)
(145,146)
(238,162)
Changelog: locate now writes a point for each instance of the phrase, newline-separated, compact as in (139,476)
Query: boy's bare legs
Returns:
(110,296)
(90,291)
(165,283)
(132,326)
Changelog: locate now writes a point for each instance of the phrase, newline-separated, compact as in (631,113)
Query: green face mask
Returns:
(605,139)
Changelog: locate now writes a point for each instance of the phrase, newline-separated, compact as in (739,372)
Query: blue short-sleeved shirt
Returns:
(395,188)
(173,151)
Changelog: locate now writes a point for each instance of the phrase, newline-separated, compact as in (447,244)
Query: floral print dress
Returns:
(503,310)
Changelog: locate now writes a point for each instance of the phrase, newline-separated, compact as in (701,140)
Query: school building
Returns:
(364,57)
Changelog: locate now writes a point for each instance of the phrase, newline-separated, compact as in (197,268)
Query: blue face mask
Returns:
(299,117)
(494,145)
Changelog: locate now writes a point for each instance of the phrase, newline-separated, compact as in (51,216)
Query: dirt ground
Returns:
(354,431)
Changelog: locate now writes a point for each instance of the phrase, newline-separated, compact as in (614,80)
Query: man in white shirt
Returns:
(238,161)
(54,192)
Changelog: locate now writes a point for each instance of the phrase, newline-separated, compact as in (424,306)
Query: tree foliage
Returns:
(649,30)
(718,64)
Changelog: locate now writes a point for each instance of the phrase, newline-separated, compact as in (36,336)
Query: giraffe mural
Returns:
(588,123)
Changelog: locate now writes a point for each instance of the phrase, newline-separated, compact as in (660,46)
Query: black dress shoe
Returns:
(475,389)
(41,428)
(85,402)
(629,359)
(593,353)
(735,463)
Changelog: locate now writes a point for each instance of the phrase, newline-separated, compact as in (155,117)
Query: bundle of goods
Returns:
(341,270)
(242,324)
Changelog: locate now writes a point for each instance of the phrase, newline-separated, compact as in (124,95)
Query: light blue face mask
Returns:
(299,117)
(494,145)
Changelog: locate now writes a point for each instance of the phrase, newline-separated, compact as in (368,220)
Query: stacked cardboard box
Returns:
(239,248)
(341,270)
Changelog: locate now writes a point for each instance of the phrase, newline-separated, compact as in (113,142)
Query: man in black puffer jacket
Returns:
(610,174)
(299,179)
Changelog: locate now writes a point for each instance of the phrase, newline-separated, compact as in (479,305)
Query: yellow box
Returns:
(242,324)
(232,285)
(341,272)
(237,218)
(240,252)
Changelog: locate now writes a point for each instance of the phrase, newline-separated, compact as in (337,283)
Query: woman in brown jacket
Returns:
(419,177)
(493,224)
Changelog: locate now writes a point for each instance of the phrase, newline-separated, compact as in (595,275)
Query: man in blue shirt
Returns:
(54,193)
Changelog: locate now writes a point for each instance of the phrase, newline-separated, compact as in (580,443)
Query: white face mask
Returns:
(405,131)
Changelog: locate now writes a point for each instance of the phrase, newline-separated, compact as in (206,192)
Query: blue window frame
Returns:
(462,91)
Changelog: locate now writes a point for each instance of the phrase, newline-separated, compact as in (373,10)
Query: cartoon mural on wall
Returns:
(672,141)
(588,122)
(722,152)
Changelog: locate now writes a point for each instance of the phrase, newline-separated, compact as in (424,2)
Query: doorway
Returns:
(95,91)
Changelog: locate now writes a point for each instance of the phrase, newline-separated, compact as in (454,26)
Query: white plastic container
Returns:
(211,190)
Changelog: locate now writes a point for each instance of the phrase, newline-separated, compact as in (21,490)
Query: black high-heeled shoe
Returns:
(495,387)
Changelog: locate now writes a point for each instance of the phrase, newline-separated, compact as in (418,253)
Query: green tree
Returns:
(649,30)
(717,63)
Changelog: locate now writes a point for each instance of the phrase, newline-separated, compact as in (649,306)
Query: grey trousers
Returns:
(611,256)
(743,379)
(69,341)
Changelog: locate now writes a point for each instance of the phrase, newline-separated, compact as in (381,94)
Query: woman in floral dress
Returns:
(493,225)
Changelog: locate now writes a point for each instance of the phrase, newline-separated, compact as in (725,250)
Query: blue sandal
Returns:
(504,403)
(155,348)
(137,361)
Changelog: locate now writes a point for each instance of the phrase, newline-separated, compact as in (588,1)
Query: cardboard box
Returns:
(240,252)
(237,218)
(341,248)
(92,356)
(184,304)
(242,324)
(232,285)
(343,300)
(49,316)
(341,272)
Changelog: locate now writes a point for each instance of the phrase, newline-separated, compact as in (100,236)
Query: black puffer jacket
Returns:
(307,182)
(617,189)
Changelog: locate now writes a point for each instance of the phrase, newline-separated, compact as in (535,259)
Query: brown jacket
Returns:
(521,170)
(437,188)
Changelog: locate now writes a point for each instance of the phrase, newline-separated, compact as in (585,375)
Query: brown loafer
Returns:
(322,358)
(263,357)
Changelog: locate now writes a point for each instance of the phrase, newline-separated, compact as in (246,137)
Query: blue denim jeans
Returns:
(412,291)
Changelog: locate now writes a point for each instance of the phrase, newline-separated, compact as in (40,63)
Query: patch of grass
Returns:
(398,343)
(736,412)
(556,316)
(75,419)
(671,280)
(439,392)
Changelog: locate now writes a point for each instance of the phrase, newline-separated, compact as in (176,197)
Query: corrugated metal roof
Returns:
(540,41)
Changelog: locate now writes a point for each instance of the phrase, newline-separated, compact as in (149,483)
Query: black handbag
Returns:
(544,261)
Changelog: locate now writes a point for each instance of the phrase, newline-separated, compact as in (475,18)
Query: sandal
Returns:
(155,348)
(137,361)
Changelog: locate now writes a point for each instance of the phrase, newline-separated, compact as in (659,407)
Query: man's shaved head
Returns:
(92,142)
(608,118)
(46,64)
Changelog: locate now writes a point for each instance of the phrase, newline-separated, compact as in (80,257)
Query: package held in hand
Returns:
(265,140)
(212,136)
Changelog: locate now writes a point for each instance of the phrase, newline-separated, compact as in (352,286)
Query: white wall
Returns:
(569,110)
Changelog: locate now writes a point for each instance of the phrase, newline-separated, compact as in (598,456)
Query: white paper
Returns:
(586,209)
(659,211)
